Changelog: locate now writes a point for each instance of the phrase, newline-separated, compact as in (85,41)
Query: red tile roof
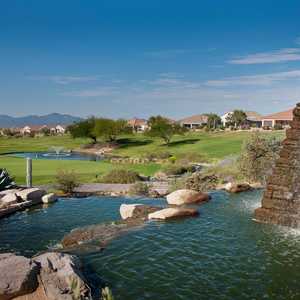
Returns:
(285,115)
(196,119)
(137,122)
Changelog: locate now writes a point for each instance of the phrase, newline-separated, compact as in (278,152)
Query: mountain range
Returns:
(50,119)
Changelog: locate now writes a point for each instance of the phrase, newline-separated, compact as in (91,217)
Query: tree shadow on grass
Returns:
(126,143)
(183,142)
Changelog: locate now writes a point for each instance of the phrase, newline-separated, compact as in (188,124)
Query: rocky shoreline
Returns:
(50,276)
(18,199)
(58,275)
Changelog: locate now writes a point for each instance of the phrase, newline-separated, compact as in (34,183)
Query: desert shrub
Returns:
(226,171)
(176,169)
(258,157)
(201,182)
(140,188)
(67,181)
(121,176)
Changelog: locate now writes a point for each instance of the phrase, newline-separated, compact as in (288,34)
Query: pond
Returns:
(222,254)
(58,156)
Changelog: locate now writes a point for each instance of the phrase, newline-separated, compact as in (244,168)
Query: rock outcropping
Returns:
(281,200)
(14,200)
(50,276)
(18,276)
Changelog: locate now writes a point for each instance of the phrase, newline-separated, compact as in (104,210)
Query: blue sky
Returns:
(139,58)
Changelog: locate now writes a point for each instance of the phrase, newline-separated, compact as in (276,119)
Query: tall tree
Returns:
(84,128)
(213,121)
(109,129)
(237,118)
(163,128)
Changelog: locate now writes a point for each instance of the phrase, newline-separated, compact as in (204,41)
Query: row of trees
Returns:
(102,128)
(235,119)
(109,130)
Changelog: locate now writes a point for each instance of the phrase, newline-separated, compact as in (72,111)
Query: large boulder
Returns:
(171,213)
(33,194)
(18,276)
(6,192)
(181,197)
(49,198)
(136,211)
(61,277)
(237,187)
(9,199)
(126,210)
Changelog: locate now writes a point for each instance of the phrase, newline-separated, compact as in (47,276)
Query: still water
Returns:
(59,156)
(222,254)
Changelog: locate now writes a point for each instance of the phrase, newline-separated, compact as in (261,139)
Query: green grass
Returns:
(39,143)
(213,146)
(44,171)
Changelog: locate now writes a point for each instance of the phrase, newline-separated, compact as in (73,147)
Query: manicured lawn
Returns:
(44,171)
(213,146)
(28,144)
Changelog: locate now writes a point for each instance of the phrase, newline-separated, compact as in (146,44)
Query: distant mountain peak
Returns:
(49,119)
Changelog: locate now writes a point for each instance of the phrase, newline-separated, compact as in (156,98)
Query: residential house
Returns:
(39,130)
(138,125)
(254,119)
(26,130)
(282,119)
(58,129)
(194,122)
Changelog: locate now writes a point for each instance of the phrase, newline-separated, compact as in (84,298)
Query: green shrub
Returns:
(140,188)
(67,181)
(172,159)
(121,176)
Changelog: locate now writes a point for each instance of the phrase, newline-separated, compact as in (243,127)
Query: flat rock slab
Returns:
(136,211)
(18,276)
(181,197)
(172,213)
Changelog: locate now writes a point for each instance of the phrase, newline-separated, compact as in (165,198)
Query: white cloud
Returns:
(277,56)
(59,79)
(256,80)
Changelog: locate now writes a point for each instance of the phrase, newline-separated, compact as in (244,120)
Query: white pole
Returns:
(29,172)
